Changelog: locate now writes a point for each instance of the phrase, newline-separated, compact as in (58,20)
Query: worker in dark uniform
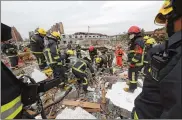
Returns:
(149,44)
(11,105)
(78,51)
(92,52)
(161,94)
(37,47)
(104,61)
(135,57)
(101,62)
(79,69)
(69,46)
(11,51)
(53,58)
(65,57)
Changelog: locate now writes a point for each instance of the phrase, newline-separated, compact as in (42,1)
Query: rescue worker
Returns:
(101,62)
(149,44)
(145,38)
(53,56)
(161,94)
(78,51)
(135,57)
(37,47)
(65,57)
(79,70)
(92,52)
(11,51)
(69,46)
(11,105)
(119,54)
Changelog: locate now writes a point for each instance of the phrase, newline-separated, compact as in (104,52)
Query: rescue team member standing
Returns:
(11,51)
(53,56)
(149,44)
(79,70)
(135,56)
(78,51)
(92,52)
(37,47)
(161,94)
(119,54)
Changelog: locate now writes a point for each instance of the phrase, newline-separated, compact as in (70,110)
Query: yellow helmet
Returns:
(41,31)
(146,38)
(70,52)
(98,60)
(56,35)
(151,41)
(167,8)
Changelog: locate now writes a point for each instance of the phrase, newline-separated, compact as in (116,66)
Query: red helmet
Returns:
(91,48)
(134,29)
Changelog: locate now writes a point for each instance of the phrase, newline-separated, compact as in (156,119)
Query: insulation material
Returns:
(78,113)
(121,98)
(38,75)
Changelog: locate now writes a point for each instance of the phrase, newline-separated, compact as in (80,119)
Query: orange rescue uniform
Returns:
(119,54)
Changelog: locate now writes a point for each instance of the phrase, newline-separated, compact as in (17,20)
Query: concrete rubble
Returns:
(105,91)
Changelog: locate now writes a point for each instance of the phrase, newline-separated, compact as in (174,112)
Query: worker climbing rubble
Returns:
(119,54)
(53,56)
(37,47)
(104,61)
(92,52)
(135,57)
(161,94)
(9,49)
(79,70)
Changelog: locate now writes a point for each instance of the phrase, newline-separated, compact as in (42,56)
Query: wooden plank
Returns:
(81,104)
(31,112)
(92,110)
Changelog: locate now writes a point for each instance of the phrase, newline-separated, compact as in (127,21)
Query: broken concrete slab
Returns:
(78,113)
(121,98)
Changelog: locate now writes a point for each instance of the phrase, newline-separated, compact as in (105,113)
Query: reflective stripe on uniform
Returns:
(131,51)
(133,78)
(145,62)
(59,63)
(36,52)
(11,109)
(57,57)
(142,61)
(49,59)
(12,56)
(135,116)
(134,60)
(33,39)
(85,81)
(78,69)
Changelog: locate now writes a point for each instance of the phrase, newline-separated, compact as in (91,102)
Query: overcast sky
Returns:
(107,17)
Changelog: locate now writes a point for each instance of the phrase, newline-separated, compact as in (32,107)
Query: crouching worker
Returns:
(53,56)
(79,70)
(101,62)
